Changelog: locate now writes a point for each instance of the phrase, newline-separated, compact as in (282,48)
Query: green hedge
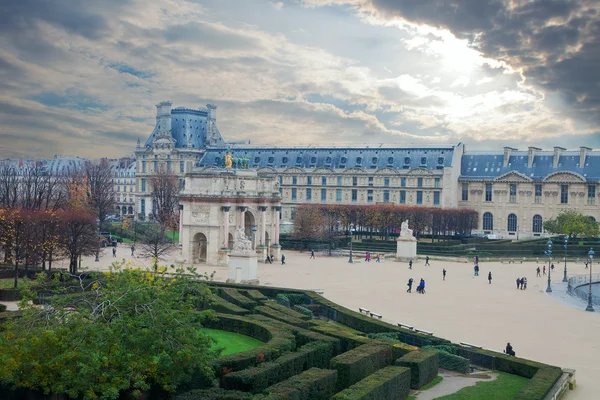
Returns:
(297,298)
(314,384)
(390,383)
(213,394)
(256,379)
(2,308)
(303,310)
(288,319)
(285,310)
(399,348)
(277,341)
(303,336)
(283,300)
(349,338)
(450,360)
(423,365)
(358,363)
(235,297)
(540,384)
(223,306)
(254,295)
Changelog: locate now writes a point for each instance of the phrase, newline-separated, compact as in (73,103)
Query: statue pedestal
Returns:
(406,248)
(261,253)
(223,257)
(242,268)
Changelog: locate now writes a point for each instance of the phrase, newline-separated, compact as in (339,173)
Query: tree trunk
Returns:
(16,272)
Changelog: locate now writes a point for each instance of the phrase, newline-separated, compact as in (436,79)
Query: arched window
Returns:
(537,224)
(488,221)
(512,223)
(592,218)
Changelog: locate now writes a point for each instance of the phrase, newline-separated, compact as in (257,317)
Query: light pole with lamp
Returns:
(253,237)
(549,253)
(565,246)
(351,233)
(589,305)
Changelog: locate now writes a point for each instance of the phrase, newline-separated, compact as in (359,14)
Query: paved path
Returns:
(452,383)
(463,308)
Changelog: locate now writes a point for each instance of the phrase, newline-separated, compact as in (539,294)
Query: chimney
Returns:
(557,152)
(531,155)
(212,111)
(163,115)
(582,155)
(507,152)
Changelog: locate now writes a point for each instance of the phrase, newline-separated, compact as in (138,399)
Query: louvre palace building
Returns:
(513,190)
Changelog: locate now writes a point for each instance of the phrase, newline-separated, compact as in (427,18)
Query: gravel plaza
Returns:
(552,329)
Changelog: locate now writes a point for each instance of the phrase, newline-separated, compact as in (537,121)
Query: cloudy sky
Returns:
(82,77)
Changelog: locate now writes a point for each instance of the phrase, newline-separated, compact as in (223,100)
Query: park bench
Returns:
(376,315)
(405,326)
(360,309)
(424,332)
(511,261)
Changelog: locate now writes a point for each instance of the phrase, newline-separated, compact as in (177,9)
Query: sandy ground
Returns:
(452,383)
(549,328)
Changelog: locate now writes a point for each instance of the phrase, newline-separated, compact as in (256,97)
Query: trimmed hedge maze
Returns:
(315,349)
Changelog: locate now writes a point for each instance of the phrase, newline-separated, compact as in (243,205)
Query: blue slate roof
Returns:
(488,166)
(367,158)
(186,122)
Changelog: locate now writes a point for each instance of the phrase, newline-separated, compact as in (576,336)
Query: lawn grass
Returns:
(506,386)
(230,342)
(10,283)
(431,384)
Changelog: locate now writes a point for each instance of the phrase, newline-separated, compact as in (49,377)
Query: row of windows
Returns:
(512,192)
(386,196)
(359,160)
(124,188)
(512,223)
(339,181)
(181,166)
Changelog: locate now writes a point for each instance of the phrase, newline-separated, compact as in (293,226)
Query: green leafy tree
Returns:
(572,223)
(119,332)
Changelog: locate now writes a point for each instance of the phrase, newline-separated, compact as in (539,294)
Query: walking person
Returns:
(378,257)
(538,271)
(409,284)
(282,259)
(132,250)
(552,266)
(544,270)
(518,283)
(522,283)
(268,260)
(114,252)
(490,277)
(409,264)
(586,264)
(426,260)
(422,286)
(312,254)
(476,270)
(524,280)
(476,260)
(444,273)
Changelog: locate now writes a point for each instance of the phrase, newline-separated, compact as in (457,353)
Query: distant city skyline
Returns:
(82,78)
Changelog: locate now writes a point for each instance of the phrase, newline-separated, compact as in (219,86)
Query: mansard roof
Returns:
(489,166)
(335,158)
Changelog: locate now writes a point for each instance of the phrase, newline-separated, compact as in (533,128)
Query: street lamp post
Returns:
(351,233)
(565,246)
(98,246)
(589,305)
(549,253)
(254,236)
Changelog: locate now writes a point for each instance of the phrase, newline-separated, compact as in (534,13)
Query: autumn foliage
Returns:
(325,221)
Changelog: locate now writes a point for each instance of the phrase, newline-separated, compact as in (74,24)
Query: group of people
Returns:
(410,262)
(420,288)
(522,283)
(368,257)
(271,258)
(476,266)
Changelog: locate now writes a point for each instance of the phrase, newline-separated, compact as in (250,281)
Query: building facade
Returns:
(123,171)
(516,191)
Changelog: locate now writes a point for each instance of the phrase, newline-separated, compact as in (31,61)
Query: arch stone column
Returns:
(262,248)
(275,246)
(225,210)
(242,221)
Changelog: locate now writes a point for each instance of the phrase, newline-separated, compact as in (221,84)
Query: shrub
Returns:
(540,384)
(214,394)
(2,307)
(304,310)
(223,306)
(423,365)
(277,341)
(255,380)
(283,300)
(314,384)
(296,298)
(356,364)
(399,348)
(285,310)
(235,297)
(451,361)
(255,295)
(288,319)
(349,338)
(389,383)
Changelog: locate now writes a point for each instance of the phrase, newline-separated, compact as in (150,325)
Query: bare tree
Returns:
(165,195)
(155,244)
(100,187)
(9,185)
(79,237)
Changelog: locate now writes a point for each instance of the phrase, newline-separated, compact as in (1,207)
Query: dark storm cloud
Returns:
(555,42)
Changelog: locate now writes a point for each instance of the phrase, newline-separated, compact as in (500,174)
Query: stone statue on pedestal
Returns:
(241,244)
(405,231)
